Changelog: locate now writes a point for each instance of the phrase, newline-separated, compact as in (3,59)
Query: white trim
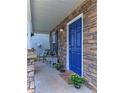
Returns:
(67,56)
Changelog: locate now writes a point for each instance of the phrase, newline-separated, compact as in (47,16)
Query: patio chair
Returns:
(43,56)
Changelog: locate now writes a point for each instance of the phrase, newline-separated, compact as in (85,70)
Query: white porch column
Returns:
(29,26)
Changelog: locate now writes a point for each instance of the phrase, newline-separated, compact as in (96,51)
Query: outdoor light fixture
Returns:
(61,30)
(32,34)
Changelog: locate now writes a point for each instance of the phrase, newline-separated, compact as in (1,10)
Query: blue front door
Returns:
(75,46)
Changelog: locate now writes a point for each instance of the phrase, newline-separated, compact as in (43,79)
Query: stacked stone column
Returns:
(30,76)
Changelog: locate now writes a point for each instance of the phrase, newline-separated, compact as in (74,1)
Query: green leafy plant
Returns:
(59,66)
(77,81)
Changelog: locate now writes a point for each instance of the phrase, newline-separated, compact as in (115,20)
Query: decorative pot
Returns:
(77,87)
(62,70)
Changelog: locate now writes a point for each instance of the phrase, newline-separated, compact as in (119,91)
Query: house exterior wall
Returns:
(89,10)
(42,39)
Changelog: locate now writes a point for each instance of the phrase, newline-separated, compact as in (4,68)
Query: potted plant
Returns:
(58,66)
(77,81)
(62,68)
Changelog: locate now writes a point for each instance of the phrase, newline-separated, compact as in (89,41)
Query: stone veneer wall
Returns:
(30,76)
(89,10)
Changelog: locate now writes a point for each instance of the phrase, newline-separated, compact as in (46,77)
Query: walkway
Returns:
(47,80)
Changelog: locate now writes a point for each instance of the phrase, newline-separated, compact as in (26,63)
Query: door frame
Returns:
(67,51)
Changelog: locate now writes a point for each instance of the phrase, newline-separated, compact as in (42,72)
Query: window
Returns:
(53,37)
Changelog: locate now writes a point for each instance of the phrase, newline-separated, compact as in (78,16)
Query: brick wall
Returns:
(89,10)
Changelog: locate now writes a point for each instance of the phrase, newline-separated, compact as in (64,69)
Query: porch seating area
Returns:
(48,57)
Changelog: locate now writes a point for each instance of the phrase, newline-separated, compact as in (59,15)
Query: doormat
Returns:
(65,76)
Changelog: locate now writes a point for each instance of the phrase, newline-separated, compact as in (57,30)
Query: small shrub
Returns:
(59,66)
(77,80)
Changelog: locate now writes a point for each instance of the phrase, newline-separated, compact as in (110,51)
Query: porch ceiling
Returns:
(46,14)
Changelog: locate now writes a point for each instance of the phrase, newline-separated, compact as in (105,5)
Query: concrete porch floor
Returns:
(48,80)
